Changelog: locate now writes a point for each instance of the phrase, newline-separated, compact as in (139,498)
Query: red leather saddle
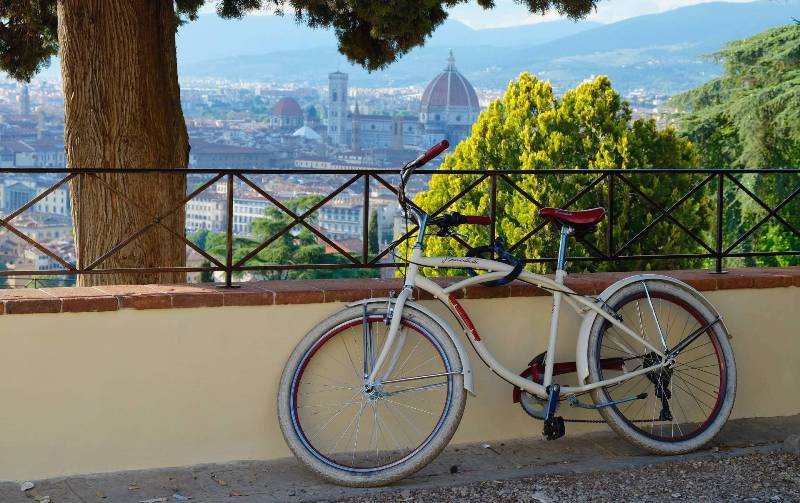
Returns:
(578,219)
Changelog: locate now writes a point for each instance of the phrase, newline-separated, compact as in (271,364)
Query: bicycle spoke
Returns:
(700,380)
(368,428)
(357,430)
(655,318)
(408,357)
(432,358)
(426,387)
(350,357)
(344,432)
(678,394)
(330,388)
(694,397)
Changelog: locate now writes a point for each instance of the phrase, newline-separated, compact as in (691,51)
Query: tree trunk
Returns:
(122,110)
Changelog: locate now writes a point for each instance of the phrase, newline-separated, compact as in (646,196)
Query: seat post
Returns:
(562,248)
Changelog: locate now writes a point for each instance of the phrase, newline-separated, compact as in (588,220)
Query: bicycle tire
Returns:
(715,336)
(335,472)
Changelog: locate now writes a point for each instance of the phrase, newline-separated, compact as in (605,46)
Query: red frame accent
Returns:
(463,317)
(477,220)
(431,153)
(536,372)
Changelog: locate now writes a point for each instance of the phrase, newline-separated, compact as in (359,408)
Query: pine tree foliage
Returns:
(750,118)
(373,239)
(588,127)
(28,36)
(371,33)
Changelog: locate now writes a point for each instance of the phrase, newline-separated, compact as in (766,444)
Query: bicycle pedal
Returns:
(554,428)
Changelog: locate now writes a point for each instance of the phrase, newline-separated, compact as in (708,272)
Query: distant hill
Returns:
(661,52)
(211,37)
(697,29)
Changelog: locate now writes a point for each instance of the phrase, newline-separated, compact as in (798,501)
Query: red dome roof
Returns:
(450,88)
(287,107)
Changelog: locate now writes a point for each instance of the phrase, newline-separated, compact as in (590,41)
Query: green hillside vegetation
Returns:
(750,118)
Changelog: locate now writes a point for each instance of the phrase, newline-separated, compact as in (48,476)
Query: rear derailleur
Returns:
(661,379)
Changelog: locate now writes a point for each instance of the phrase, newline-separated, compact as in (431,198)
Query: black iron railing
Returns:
(721,193)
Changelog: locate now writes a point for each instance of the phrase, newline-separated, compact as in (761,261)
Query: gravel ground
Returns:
(760,477)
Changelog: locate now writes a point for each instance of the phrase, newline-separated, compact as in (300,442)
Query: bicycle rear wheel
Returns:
(358,436)
(688,402)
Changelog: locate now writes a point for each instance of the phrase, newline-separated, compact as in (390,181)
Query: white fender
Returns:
(582,347)
(466,365)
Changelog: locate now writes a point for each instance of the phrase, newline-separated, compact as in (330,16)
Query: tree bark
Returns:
(122,110)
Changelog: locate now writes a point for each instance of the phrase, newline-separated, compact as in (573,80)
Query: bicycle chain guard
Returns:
(537,407)
(532,404)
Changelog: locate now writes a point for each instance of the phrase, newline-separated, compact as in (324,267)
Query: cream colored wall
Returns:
(98,392)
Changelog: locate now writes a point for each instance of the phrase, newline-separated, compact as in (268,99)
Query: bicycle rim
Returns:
(349,428)
(682,402)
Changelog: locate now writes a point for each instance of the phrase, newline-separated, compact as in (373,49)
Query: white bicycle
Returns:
(375,392)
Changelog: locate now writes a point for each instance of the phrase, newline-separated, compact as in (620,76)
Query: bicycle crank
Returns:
(537,407)
(553,425)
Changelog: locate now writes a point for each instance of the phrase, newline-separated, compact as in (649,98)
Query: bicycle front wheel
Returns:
(356,435)
(687,402)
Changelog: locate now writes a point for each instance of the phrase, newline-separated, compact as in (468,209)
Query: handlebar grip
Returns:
(477,220)
(431,153)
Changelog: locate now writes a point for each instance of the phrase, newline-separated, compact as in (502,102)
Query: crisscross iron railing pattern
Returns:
(715,242)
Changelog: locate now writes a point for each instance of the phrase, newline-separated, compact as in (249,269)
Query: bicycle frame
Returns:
(583,307)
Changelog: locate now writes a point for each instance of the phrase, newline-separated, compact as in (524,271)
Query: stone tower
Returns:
(337,108)
(40,124)
(397,133)
(25,101)
(356,146)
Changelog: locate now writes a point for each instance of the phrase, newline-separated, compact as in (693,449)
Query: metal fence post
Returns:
(365,223)
(611,216)
(720,213)
(493,208)
(229,236)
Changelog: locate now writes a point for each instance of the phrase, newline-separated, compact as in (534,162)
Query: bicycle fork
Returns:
(371,378)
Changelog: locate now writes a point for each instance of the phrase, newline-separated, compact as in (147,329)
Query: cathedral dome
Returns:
(287,107)
(449,98)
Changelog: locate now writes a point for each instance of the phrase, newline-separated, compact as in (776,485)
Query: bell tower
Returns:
(337,108)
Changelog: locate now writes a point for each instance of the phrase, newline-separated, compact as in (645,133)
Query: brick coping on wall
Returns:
(264,293)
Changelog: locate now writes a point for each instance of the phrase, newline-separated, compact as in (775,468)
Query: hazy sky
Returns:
(510,13)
